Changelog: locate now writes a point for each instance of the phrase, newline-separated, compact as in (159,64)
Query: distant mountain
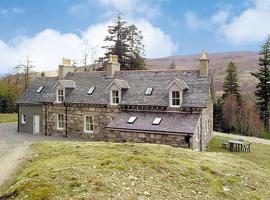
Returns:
(246,63)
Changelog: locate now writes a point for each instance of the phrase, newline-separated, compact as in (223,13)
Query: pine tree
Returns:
(263,86)
(136,48)
(126,42)
(118,39)
(230,84)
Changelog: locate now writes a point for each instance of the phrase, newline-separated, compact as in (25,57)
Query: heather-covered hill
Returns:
(246,63)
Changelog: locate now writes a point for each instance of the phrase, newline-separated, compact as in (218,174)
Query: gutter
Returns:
(18,121)
(66,120)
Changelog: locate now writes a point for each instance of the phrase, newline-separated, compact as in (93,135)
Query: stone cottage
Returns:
(171,107)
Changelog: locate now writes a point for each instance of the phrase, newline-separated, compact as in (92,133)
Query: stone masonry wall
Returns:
(75,120)
(125,136)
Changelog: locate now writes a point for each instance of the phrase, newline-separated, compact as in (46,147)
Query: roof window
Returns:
(40,89)
(157,121)
(91,90)
(131,120)
(148,91)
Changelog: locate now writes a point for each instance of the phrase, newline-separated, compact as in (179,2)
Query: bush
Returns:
(265,135)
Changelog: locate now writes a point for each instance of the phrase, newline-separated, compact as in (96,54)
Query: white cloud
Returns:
(15,10)
(252,25)
(48,47)
(194,22)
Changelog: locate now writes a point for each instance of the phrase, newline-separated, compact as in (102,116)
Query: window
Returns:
(148,91)
(175,99)
(60,121)
(23,119)
(156,121)
(40,89)
(115,99)
(88,124)
(131,120)
(91,90)
(60,95)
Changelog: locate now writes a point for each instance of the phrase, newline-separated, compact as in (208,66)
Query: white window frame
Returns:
(149,91)
(57,95)
(39,90)
(23,120)
(171,98)
(91,90)
(132,119)
(112,97)
(85,124)
(157,121)
(58,121)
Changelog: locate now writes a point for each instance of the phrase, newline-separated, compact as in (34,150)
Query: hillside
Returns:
(246,62)
(98,170)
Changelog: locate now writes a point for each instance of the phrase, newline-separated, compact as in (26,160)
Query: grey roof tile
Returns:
(171,122)
(138,81)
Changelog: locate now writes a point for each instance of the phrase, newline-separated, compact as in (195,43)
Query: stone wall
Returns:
(75,120)
(139,137)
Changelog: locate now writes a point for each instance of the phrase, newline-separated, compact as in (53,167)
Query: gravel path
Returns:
(246,138)
(15,147)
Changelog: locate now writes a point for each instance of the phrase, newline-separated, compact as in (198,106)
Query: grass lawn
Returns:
(5,118)
(98,170)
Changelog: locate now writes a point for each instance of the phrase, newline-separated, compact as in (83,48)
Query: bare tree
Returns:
(17,70)
(26,66)
(89,55)
(230,112)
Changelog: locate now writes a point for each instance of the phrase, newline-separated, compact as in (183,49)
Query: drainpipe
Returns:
(188,141)
(66,120)
(18,120)
(46,120)
(201,135)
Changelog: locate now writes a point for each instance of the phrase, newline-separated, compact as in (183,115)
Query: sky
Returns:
(47,31)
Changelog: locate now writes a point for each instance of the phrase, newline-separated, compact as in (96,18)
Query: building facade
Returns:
(166,107)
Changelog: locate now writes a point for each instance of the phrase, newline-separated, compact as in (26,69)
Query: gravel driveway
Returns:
(15,146)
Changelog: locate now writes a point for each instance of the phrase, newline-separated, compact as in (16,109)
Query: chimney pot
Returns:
(112,65)
(204,64)
(64,68)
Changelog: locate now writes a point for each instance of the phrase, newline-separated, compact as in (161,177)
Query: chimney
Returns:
(112,65)
(204,64)
(64,68)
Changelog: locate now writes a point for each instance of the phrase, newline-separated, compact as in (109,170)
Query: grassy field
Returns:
(5,118)
(97,170)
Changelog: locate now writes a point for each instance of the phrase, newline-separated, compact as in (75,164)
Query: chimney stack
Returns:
(112,65)
(204,64)
(64,68)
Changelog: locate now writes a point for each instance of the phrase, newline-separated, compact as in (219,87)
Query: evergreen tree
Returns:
(136,48)
(230,84)
(118,33)
(126,42)
(263,86)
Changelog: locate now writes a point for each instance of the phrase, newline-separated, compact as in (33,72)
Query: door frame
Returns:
(34,124)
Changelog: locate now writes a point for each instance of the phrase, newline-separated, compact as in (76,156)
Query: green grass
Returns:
(5,118)
(98,170)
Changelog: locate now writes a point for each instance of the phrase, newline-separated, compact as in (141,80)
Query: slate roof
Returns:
(122,84)
(138,81)
(30,95)
(66,83)
(171,122)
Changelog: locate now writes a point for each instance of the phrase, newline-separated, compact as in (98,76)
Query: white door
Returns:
(36,124)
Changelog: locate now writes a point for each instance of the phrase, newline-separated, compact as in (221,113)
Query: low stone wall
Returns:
(168,139)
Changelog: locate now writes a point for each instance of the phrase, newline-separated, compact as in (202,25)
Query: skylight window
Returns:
(131,120)
(91,90)
(40,89)
(148,91)
(156,121)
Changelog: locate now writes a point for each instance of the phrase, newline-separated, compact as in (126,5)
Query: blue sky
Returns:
(49,30)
